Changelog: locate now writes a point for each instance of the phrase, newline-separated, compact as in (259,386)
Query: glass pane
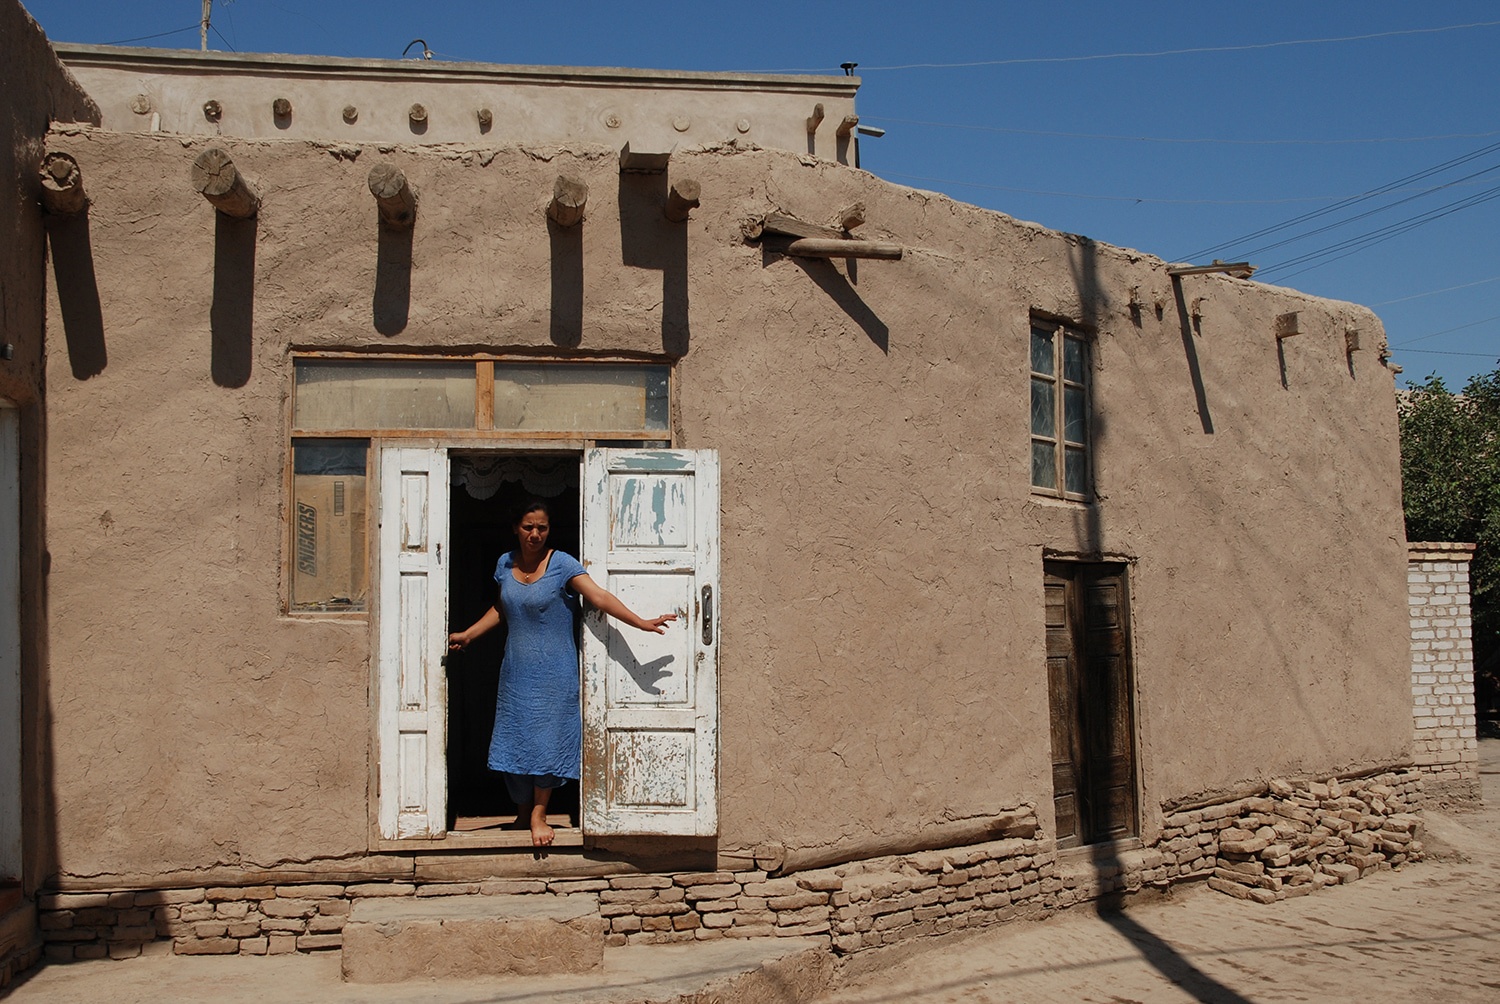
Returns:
(383,394)
(1073,360)
(328,524)
(1041,350)
(1076,471)
(1043,408)
(581,397)
(1074,403)
(1043,465)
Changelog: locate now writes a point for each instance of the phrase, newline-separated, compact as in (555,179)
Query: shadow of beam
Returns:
(231,318)
(847,297)
(78,293)
(567,284)
(391,306)
(1185,322)
(1167,960)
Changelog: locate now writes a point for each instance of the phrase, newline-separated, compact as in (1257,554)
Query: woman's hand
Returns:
(658,625)
(458,641)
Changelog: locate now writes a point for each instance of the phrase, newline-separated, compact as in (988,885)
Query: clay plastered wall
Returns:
(882,660)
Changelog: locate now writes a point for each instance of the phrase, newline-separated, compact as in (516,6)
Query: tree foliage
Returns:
(1450,483)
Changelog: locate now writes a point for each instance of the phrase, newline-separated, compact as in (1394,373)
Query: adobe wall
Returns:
(882,669)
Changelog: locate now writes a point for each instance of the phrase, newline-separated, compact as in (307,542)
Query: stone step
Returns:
(465,937)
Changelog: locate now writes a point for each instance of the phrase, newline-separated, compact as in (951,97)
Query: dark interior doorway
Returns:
(487,489)
(1090,690)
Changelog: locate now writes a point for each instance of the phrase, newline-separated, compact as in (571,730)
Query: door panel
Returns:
(650,702)
(1090,690)
(411,611)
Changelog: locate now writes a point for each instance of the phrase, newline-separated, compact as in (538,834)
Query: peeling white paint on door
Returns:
(411,609)
(650,702)
(10,641)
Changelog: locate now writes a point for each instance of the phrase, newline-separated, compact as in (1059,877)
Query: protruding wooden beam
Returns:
(815,119)
(398,203)
(781,225)
(847,126)
(636,162)
(682,198)
(851,217)
(817,247)
(1237,269)
(62,186)
(1286,325)
(569,195)
(217,180)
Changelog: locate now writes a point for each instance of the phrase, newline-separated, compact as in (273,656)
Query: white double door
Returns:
(650,533)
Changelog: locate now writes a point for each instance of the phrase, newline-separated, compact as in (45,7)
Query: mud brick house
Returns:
(1013,568)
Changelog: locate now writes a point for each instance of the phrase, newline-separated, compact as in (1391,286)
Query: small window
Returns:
(1059,411)
(328,524)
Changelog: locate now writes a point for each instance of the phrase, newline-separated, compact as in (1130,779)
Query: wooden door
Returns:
(650,702)
(411,613)
(1090,692)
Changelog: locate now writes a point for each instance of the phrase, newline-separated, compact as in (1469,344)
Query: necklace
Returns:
(527,578)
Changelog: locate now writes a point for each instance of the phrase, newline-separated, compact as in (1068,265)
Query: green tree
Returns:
(1450,485)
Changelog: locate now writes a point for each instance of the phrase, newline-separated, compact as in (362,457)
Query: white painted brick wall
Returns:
(1442,661)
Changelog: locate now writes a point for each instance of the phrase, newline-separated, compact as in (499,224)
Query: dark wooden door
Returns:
(1090,692)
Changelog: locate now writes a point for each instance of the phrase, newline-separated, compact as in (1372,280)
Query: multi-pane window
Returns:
(1059,411)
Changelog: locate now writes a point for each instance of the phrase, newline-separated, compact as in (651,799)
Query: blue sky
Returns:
(1178,153)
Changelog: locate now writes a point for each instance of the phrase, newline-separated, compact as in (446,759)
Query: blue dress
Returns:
(538,725)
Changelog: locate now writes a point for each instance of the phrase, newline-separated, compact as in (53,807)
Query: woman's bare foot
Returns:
(542,835)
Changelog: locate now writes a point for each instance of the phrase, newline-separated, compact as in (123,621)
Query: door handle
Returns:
(708,615)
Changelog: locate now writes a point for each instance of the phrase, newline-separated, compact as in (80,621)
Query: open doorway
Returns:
(486,489)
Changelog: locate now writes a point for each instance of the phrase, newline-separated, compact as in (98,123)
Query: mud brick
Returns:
(808,915)
(54,952)
(98,917)
(254,946)
(1343,872)
(432,889)
(281,944)
(820,881)
(206,946)
(567,887)
(890,920)
(124,950)
(324,925)
(640,882)
(72,900)
(628,924)
(1293,891)
(772,887)
(749,876)
(676,894)
(134,932)
(284,925)
(211,929)
(58,920)
(755,918)
(608,910)
(661,923)
(512,887)
(334,908)
(703,878)
(309,891)
(802,930)
(707,934)
(712,891)
(686,922)
(798,901)
(661,909)
(194,912)
(668,937)
(245,930)
(714,905)
(289,908)
(92,951)
(318,942)
(627,895)
(162,897)
(615,941)
(380,889)
(718,920)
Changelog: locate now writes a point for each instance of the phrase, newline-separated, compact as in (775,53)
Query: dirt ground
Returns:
(1428,932)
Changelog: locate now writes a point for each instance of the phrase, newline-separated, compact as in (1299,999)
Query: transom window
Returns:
(1059,411)
(341,403)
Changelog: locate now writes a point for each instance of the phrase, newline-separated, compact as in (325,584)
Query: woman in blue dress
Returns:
(538,735)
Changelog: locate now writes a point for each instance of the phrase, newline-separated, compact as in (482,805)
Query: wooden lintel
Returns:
(818,247)
(639,162)
(569,196)
(815,119)
(397,201)
(1237,269)
(776,224)
(682,198)
(62,186)
(217,180)
(847,126)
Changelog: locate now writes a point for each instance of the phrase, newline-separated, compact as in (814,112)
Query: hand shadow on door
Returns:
(645,674)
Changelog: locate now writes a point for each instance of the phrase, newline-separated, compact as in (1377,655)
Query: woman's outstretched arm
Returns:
(459,640)
(602,599)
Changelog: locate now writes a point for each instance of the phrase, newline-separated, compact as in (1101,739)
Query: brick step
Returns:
(464,937)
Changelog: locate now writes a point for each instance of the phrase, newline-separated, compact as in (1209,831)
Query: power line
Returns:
(160,34)
(1435,292)
(1441,352)
(1163,52)
(1305,217)
(1446,331)
(215,29)
(1180,140)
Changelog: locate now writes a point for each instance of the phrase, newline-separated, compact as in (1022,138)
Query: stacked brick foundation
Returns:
(1292,839)
(1445,745)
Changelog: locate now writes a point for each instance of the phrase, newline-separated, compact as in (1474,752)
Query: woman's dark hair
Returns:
(532,505)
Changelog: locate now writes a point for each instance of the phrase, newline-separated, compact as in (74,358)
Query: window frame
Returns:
(483,432)
(1063,332)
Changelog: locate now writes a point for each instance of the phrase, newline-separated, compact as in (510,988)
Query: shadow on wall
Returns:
(649,240)
(78,293)
(843,293)
(567,284)
(391,306)
(231,318)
